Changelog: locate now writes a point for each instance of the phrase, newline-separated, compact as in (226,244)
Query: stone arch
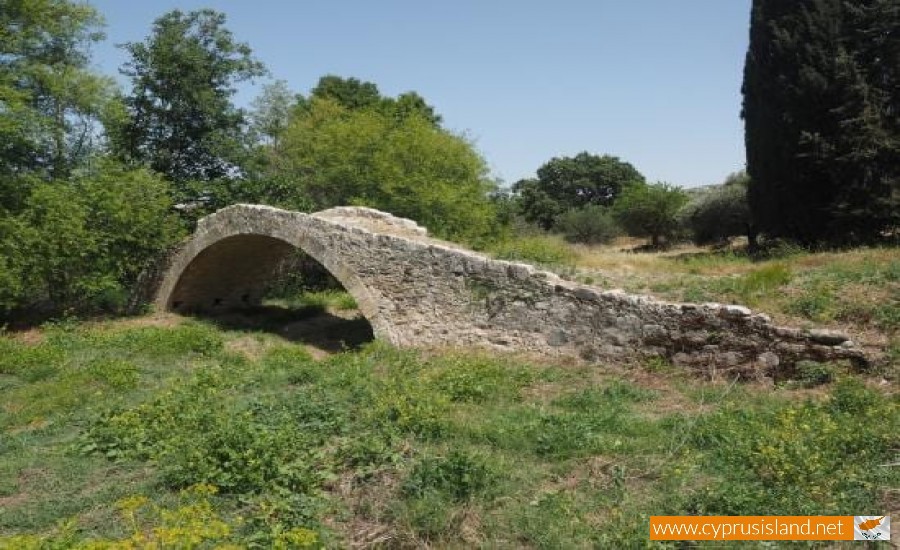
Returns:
(229,258)
(418,291)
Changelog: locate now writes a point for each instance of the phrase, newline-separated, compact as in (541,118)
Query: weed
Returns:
(458,475)
(187,338)
(322,300)
(816,304)
(658,364)
(761,281)
(810,373)
(30,363)
(475,379)
(799,457)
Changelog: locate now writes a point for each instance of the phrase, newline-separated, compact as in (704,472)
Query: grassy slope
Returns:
(163,429)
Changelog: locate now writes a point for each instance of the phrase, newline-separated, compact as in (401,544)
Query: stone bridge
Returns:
(418,291)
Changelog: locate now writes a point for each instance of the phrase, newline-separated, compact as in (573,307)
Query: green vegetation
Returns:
(178,118)
(137,433)
(650,211)
(716,214)
(544,250)
(820,109)
(374,158)
(96,184)
(164,432)
(567,183)
(590,225)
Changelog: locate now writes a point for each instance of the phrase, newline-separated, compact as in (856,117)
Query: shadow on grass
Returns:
(309,325)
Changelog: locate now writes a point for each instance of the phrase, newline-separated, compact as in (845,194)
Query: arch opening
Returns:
(261,283)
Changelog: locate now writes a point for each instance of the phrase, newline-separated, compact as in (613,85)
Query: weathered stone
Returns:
(615,336)
(788,332)
(735,312)
(417,291)
(729,359)
(655,334)
(557,338)
(587,294)
(520,271)
(768,360)
(828,337)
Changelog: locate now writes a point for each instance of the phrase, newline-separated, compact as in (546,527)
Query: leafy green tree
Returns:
(15,240)
(350,93)
(354,94)
(272,111)
(181,121)
(716,214)
(650,210)
(567,183)
(80,246)
(820,111)
(411,104)
(50,97)
(407,167)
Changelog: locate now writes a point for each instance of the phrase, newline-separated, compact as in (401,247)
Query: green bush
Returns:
(589,225)
(812,373)
(718,213)
(80,245)
(197,433)
(407,167)
(650,210)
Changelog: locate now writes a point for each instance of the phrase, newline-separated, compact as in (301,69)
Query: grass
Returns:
(549,251)
(135,433)
(857,291)
(318,301)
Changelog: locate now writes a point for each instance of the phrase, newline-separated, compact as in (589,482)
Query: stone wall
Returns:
(417,291)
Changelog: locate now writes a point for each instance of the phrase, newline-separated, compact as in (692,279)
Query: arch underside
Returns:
(231,273)
(234,271)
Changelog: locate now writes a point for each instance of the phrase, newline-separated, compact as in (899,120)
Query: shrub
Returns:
(86,240)
(718,214)
(458,475)
(589,225)
(196,433)
(650,210)
(812,373)
(471,379)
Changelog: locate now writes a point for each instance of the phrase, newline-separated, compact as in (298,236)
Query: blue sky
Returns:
(655,82)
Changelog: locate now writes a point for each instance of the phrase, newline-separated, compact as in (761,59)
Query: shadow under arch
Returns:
(214,273)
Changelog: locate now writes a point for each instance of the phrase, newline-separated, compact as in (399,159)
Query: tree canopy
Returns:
(354,94)
(566,183)
(180,120)
(650,210)
(820,108)
(50,97)
(720,212)
(406,166)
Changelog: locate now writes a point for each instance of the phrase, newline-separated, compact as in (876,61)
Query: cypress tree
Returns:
(820,116)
